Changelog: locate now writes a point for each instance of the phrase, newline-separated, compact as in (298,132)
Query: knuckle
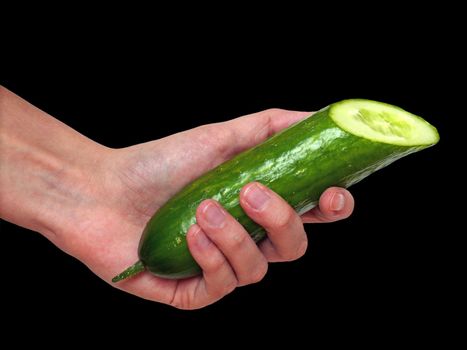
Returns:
(295,254)
(283,220)
(259,273)
(274,111)
(218,292)
(224,289)
(214,264)
(229,287)
(237,241)
(287,256)
(216,136)
(301,249)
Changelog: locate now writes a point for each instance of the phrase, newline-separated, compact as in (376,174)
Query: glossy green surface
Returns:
(299,164)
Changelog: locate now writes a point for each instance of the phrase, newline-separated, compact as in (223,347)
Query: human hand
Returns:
(94,202)
(142,178)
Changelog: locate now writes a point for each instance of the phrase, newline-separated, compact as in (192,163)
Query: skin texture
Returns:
(93,202)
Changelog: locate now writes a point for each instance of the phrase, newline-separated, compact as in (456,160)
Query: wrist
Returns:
(48,170)
(67,185)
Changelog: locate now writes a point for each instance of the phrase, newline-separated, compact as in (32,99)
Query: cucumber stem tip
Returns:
(133,270)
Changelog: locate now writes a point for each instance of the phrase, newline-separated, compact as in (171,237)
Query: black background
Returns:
(383,272)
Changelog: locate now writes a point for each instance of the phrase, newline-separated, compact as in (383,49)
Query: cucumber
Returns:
(338,146)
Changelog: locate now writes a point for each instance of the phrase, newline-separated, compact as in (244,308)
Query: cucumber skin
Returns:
(299,164)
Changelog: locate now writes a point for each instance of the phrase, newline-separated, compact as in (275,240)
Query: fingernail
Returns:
(256,197)
(201,240)
(337,202)
(214,215)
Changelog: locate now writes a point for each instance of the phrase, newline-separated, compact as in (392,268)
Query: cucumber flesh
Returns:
(381,122)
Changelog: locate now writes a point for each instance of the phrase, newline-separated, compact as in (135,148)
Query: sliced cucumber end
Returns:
(382,122)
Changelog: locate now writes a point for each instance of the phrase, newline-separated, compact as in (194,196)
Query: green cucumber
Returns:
(338,146)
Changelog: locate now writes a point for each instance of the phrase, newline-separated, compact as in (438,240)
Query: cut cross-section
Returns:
(383,122)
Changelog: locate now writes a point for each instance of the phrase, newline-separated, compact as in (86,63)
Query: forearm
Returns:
(46,168)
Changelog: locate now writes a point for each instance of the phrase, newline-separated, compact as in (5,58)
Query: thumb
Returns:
(252,129)
(195,151)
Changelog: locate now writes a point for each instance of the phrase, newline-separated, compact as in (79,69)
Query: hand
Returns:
(143,177)
(94,202)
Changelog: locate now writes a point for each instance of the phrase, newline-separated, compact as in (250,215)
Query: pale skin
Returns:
(93,202)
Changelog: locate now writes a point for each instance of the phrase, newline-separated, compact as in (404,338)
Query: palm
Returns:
(143,178)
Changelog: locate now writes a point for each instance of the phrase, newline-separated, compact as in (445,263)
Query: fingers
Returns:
(334,204)
(230,258)
(287,238)
(236,245)
(218,277)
